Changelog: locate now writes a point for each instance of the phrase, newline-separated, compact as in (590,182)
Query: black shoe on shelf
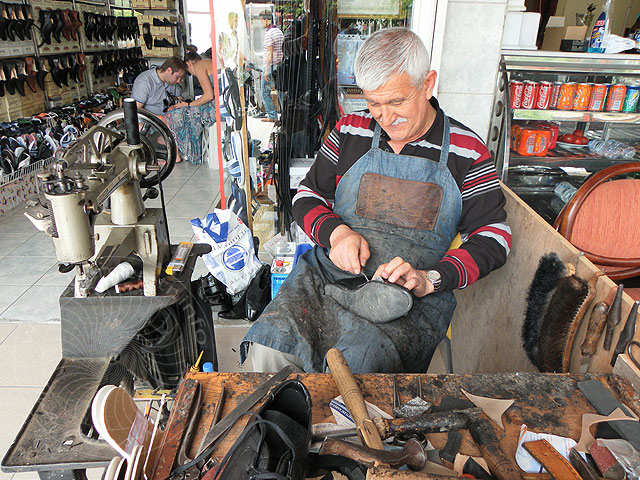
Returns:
(163,43)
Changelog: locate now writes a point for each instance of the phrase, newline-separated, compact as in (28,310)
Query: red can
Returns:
(529,94)
(565,98)
(581,96)
(515,93)
(598,96)
(555,93)
(544,95)
(615,99)
(554,129)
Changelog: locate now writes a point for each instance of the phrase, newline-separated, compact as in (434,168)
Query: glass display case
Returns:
(550,111)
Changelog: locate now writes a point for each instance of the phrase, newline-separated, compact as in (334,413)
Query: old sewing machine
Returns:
(95,213)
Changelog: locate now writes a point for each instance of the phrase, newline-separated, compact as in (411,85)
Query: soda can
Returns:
(598,96)
(515,93)
(529,94)
(543,98)
(565,98)
(615,98)
(555,93)
(631,99)
(581,96)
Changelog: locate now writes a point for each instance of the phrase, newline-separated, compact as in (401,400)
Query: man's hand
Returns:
(400,272)
(266,76)
(349,250)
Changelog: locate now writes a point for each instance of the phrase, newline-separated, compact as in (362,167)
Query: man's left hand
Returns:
(402,273)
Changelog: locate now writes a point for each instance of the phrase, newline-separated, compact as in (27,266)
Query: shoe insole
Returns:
(112,469)
(96,407)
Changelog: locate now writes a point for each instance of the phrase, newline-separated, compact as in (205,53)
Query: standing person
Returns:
(272,51)
(187,120)
(389,190)
(155,88)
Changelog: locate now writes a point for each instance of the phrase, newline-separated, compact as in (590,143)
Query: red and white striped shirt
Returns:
(273,38)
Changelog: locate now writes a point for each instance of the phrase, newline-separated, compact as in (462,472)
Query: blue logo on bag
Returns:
(235,257)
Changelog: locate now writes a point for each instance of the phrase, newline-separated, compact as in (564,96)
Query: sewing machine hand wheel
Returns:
(156,138)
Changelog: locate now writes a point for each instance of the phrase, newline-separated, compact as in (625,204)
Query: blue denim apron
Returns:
(304,322)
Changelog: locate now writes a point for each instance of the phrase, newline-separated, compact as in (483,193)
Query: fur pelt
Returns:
(549,272)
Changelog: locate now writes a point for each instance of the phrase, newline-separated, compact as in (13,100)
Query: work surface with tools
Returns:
(549,403)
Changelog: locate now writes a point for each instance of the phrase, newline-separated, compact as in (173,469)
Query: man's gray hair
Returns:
(389,52)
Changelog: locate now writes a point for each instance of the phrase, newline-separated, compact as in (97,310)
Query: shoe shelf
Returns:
(19,186)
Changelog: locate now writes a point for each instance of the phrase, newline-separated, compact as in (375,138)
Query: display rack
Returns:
(576,163)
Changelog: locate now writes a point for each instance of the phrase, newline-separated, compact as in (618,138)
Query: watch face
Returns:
(434,276)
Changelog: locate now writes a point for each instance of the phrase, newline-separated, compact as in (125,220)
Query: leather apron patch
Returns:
(403,203)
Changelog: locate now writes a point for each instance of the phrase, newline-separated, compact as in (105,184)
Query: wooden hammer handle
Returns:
(350,391)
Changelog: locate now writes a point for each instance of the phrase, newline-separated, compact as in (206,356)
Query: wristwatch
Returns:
(435,278)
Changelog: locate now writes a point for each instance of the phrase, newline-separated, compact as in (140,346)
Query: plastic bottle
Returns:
(601,30)
(612,149)
(634,34)
(565,191)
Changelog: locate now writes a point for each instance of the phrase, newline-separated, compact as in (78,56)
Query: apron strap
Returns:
(444,149)
(376,136)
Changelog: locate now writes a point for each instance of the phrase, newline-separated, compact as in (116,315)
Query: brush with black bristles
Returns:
(549,272)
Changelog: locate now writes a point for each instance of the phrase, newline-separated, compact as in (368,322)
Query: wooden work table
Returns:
(550,403)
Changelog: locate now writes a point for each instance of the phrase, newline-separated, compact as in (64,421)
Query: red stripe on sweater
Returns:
(312,215)
(473,272)
(503,233)
(483,179)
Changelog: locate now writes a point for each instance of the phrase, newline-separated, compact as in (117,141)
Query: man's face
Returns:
(174,77)
(401,108)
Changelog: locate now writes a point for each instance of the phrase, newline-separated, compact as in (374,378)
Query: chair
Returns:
(603,221)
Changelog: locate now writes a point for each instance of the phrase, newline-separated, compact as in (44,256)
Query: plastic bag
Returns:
(232,259)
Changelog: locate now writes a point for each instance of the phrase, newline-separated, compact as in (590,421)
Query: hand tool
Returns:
(553,462)
(613,319)
(188,393)
(218,429)
(594,330)
(585,470)
(473,419)
(627,333)
(412,454)
(382,473)
(415,406)
(630,353)
(352,397)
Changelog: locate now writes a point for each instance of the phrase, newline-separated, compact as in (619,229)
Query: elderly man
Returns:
(153,88)
(389,190)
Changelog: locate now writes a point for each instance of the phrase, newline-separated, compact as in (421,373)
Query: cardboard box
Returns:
(553,36)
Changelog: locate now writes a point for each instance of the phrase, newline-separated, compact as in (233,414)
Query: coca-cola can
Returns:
(598,96)
(555,93)
(515,93)
(543,97)
(529,94)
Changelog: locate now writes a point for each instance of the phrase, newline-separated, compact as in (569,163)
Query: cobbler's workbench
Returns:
(550,403)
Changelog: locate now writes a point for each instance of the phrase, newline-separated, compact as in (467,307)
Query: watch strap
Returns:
(554,463)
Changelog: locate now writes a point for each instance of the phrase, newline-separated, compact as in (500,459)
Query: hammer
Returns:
(411,455)
(350,391)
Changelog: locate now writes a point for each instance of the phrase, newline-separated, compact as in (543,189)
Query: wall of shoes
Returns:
(55,53)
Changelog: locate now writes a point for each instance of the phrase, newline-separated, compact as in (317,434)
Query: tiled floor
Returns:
(30,286)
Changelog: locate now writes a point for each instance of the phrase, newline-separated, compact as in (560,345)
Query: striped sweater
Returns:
(486,238)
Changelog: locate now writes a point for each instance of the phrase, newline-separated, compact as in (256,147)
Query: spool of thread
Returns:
(129,286)
(117,275)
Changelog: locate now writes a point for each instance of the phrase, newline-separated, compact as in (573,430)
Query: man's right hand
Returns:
(349,250)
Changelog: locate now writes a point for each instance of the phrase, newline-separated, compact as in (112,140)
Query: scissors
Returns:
(633,343)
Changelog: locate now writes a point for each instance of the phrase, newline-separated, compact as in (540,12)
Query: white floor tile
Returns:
(39,245)
(53,278)
(24,270)
(38,304)
(10,241)
(180,209)
(9,294)
(29,355)
(18,223)
(15,405)
(5,330)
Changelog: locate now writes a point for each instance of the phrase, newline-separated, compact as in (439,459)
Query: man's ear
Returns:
(430,83)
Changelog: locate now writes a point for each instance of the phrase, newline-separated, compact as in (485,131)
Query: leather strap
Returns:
(555,464)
